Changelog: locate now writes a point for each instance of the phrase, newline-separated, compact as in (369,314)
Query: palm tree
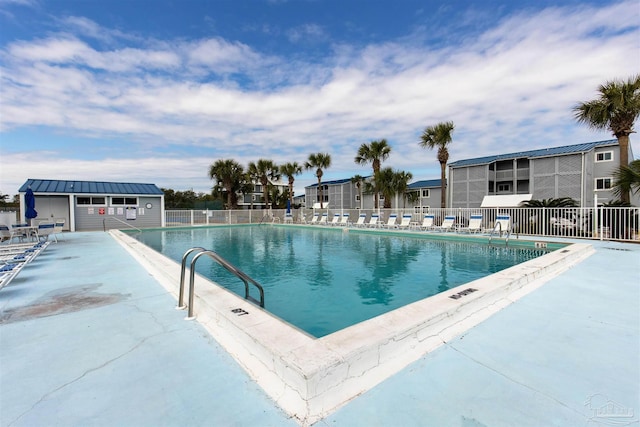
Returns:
(290,170)
(616,108)
(374,152)
(229,176)
(401,183)
(266,171)
(318,161)
(562,202)
(439,136)
(384,182)
(358,181)
(627,178)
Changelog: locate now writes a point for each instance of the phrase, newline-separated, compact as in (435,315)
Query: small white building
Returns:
(90,205)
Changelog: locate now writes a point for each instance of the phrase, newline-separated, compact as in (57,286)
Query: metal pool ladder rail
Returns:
(499,226)
(226,264)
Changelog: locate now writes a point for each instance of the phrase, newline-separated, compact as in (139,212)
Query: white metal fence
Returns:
(604,223)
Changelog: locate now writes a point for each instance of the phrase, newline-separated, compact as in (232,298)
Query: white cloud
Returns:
(509,89)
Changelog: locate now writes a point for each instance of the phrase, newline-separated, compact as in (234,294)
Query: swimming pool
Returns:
(322,279)
(311,377)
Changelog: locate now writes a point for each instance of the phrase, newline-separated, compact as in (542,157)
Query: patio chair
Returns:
(323,219)
(361,220)
(57,230)
(335,220)
(391,221)
(373,221)
(344,221)
(45,229)
(447,224)
(314,219)
(288,218)
(8,272)
(427,223)
(503,224)
(405,222)
(475,224)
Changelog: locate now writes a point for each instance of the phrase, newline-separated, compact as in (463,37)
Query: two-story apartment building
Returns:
(255,199)
(580,171)
(428,195)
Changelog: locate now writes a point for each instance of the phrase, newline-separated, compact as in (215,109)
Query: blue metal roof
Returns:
(426,183)
(334,182)
(543,152)
(88,187)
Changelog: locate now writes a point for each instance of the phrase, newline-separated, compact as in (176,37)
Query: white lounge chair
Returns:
(475,224)
(288,218)
(5,233)
(427,223)
(373,221)
(344,221)
(361,220)
(323,219)
(503,224)
(391,221)
(314,219)
(335,220)
(447,224)
(405,222)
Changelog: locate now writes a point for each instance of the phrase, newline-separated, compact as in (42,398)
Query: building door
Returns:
(51,208)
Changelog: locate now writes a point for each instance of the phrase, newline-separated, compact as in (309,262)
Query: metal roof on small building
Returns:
(334,182)
(426,183)
(53,186)
(543,152)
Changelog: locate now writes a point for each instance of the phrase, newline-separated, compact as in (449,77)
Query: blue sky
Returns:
(156,91)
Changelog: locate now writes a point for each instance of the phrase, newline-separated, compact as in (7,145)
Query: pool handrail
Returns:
(224,263)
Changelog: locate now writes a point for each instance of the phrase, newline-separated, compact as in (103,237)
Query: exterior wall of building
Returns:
(469,185)
(147,212)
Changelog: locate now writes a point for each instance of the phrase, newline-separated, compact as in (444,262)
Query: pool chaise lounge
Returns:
(475,224)
(447,224)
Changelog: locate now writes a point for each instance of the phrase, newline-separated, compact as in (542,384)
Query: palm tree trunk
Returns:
(623,142)
(443,186)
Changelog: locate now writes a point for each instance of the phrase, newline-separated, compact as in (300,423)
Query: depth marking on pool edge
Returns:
(239,311)
(462,293)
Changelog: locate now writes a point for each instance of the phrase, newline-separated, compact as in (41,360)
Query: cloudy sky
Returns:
(156,91)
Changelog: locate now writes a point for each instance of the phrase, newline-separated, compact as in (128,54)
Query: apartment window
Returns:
(85,200)
(603,183)
(124,200)
(605,156)
(357,197)
(425,193)
(504,188)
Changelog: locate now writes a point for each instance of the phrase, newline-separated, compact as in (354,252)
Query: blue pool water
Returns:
(323,280)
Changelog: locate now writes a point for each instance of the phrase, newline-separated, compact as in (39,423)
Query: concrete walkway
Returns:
(88,338)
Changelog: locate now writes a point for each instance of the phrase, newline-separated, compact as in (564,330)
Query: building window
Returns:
(504,188)
(603,183)
(425,193)
(605,156)
(357,197)
(124,200)
(86,200)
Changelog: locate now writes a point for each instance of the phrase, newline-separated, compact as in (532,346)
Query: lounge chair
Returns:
(335,220)
(314,219)
(373,221)
(5,234)
(391,221)
(405,222)
(475,224)
(361,220)
(344,221)
(427,223)
(503,224)
(288,217)
(447,224)
(323,219)
(8,272)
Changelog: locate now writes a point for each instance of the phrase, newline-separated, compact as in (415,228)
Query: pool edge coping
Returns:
(310,378)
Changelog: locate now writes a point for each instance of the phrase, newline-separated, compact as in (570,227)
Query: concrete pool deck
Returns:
(88,337)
